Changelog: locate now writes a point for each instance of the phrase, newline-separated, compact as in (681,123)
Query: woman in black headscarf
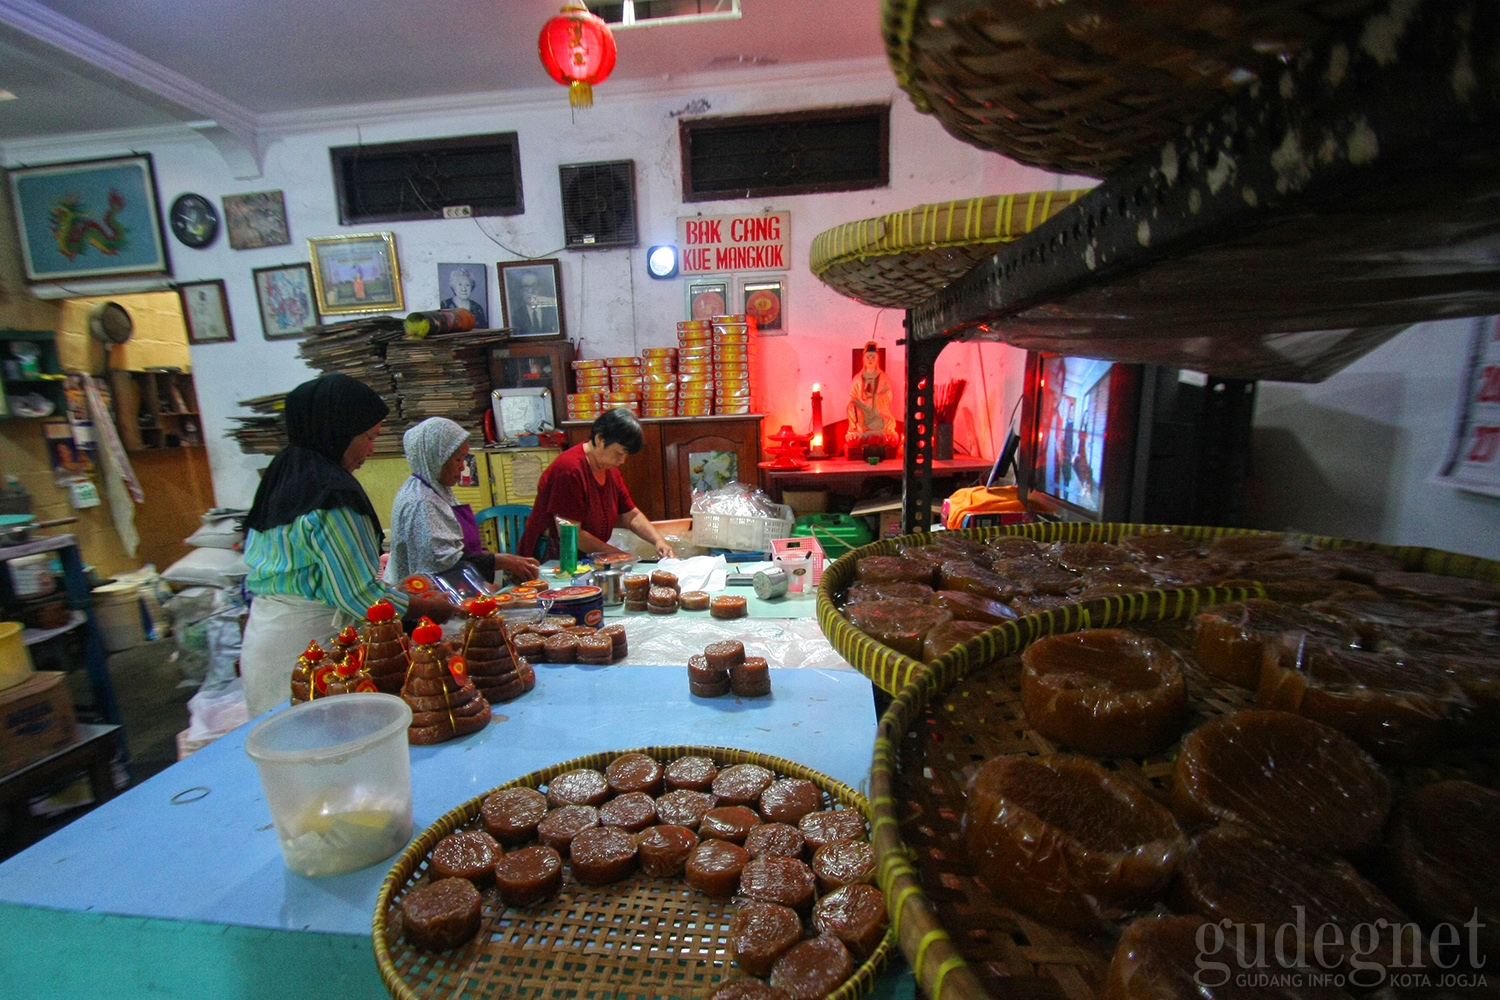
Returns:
(313,538)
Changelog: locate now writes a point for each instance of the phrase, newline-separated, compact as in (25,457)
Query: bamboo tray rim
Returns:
(892,671)
(396,880)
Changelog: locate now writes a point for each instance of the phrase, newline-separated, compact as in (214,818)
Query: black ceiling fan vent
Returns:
(598,201)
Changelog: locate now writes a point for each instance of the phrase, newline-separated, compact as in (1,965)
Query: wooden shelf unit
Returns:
(167,411)
(1296,228)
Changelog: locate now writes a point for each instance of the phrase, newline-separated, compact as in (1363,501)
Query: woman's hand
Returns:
(519,567)
(664,550)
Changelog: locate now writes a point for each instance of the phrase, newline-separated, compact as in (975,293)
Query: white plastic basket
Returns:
(741,534)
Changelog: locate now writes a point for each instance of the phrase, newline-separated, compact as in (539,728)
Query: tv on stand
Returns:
(1107,441)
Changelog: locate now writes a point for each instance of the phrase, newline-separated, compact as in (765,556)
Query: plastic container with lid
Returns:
(337,776)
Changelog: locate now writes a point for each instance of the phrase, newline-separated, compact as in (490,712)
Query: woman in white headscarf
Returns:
(431,532)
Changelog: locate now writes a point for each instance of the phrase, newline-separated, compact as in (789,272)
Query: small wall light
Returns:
(661,261)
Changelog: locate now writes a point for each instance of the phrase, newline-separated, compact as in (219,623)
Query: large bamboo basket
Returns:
(962,943)
(900,259)
(891,671)
(639,939)
(1084,87)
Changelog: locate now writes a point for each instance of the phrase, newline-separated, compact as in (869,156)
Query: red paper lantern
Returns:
(577,49)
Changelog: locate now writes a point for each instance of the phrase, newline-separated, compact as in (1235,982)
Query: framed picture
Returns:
(356,274)
(287,306)
(89,219)
(707,298)
(465,286)
(764,300)
(256,220)
(531,297)
(205,308)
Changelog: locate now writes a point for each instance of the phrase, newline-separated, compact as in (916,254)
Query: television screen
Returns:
(1072,413)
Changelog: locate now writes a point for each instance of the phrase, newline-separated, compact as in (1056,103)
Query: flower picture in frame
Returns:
(205,310)
(89,219)
(256,220)
(287,305)
(764,300)
(531,297)
(356,274)
(707,299)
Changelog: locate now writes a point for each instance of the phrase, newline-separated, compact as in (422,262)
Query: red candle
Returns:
(815,449)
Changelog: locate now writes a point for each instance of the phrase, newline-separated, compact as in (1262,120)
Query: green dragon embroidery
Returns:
(75,232)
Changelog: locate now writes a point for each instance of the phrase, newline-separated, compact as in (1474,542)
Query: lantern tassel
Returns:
(580,94)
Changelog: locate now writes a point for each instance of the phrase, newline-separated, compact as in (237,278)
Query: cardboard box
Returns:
(889,514)
(36,719)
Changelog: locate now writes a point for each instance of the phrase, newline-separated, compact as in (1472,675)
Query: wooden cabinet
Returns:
(660,476)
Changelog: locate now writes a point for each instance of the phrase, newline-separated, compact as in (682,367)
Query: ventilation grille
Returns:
(753,156)
(598,202)
(432,179)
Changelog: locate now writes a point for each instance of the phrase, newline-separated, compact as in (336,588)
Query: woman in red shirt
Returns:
(584,485)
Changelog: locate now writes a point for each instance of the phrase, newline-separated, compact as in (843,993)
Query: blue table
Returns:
(177,889)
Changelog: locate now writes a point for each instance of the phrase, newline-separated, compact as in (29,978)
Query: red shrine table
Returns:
(840,475)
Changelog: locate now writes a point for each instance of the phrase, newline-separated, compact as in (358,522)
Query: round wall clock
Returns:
(195,223)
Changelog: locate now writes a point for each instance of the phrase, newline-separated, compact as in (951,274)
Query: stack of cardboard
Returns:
(445,375)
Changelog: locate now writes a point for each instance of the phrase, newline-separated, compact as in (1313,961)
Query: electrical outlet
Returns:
(457,211)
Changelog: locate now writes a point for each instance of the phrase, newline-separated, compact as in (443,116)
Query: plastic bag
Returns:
(737,500)
(211,714)
(188,612)
(224,631)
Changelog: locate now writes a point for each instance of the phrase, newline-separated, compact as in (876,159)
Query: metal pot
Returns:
(608,581)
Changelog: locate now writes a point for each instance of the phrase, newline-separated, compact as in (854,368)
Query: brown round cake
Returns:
(1065,841)
(511,814)
(1106,692)
(441,915)
(469,855)
(1290,779)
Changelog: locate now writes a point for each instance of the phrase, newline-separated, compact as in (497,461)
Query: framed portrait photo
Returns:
(465,286)
(285,295)
(256,220)
(764,300)
(89,219)
(205,310)
(531,297)
(707,297)
(356,274)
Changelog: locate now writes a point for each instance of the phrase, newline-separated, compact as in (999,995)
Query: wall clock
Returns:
(195,223)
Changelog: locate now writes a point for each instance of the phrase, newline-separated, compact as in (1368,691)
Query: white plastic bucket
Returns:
(117,608)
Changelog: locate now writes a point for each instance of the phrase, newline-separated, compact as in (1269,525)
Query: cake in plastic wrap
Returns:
(1066,842)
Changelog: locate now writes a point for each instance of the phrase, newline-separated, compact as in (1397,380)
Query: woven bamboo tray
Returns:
(902,258)
(962,943)
(891,671)
(640,939)
(1086,86)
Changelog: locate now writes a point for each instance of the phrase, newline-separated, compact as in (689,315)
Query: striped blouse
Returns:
(329,556)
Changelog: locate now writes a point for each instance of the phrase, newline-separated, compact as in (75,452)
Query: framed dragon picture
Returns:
(89,219)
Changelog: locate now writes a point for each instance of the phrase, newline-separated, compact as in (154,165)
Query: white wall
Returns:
(611,306)
(1353,456)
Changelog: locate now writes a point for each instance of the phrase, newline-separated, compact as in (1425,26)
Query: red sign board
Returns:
(714,244)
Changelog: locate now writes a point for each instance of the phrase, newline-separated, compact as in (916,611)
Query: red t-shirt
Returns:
(568,489)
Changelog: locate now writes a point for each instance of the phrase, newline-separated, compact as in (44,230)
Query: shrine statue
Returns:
(871,420)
